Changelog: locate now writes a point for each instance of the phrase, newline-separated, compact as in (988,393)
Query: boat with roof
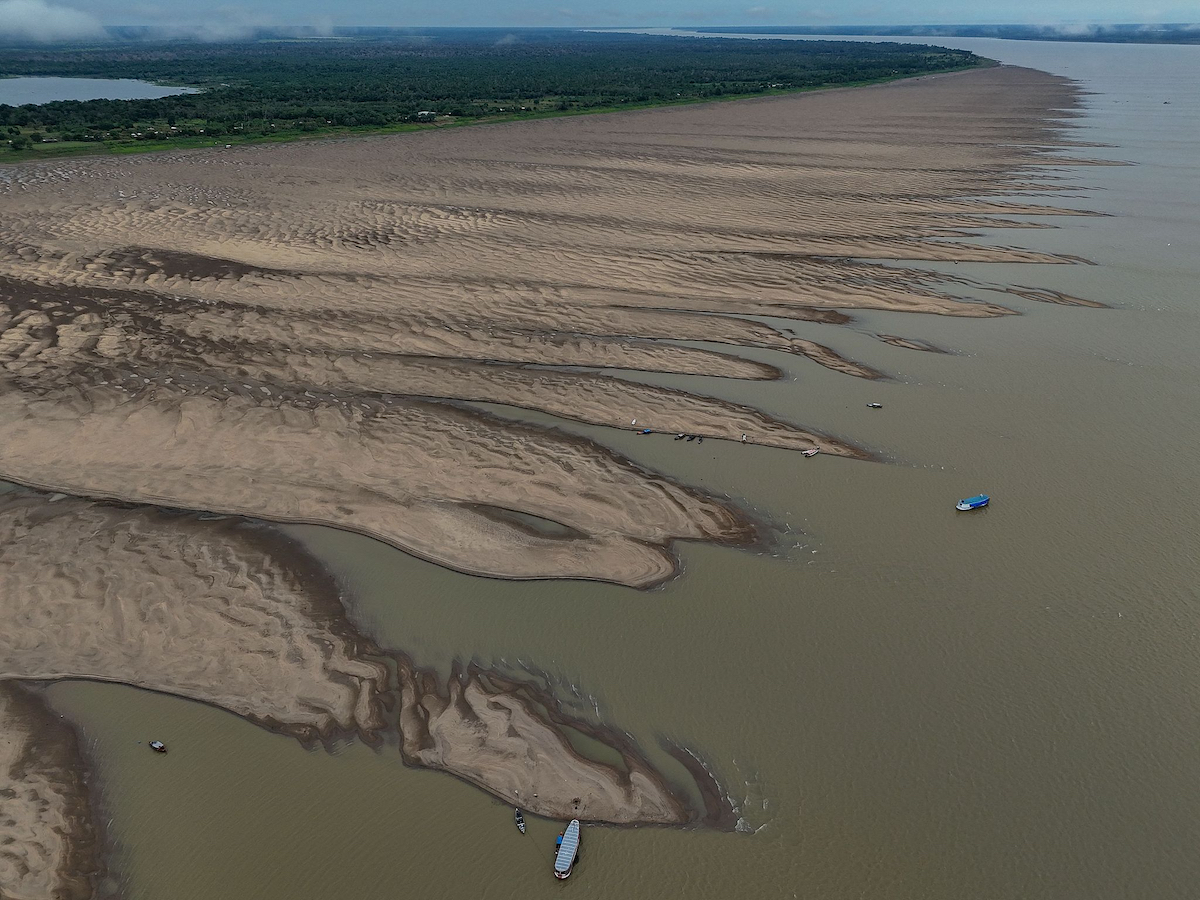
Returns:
(977,502)
(568,850)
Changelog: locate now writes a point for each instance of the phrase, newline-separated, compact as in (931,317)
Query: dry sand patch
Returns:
(290,331)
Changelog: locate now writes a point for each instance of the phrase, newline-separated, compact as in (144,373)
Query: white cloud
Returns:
(36,20)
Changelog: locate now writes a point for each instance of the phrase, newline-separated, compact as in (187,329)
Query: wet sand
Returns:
(298,333)
(293,332)
(237,616)
(48,843)
(497,734)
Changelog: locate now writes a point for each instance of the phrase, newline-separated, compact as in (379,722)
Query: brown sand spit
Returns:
(408,472)
(496,734)
(290,331)
(234,615)
(48,845)
(165,602)
(908,343)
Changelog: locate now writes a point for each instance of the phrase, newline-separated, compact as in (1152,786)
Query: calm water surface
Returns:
(905,703)
(19,91)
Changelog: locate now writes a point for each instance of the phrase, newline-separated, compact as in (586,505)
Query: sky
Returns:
(55,20)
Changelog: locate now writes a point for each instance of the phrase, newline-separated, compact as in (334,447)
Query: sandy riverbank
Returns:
(237,616)
(48,842)
(297,332)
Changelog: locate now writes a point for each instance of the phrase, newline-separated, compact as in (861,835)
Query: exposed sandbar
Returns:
(908,343)
(497,738)
(169,603)
(290,331)
(49,847)
(234,615)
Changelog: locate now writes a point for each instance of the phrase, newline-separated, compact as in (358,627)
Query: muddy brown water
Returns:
(902,701)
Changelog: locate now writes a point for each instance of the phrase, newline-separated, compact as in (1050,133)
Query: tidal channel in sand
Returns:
(926,706)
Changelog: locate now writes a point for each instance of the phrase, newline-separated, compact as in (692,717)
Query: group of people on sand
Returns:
(682,435)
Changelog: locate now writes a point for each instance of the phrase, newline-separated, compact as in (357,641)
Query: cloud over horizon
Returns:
(38,21)
(47,20)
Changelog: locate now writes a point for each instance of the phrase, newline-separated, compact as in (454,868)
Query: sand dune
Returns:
(234,615)
(297,333)
(48,843)
(166,602)
(497,738)
(289,331)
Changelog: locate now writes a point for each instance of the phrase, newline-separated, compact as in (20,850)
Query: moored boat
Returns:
(520,820)
(977,502)
(568,851)
(811,451)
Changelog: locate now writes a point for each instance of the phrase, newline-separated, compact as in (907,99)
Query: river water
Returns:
(905,703)
(38,89)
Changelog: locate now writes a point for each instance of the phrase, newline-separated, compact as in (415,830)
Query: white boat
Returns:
(520,819)
(568,851)
(811,451)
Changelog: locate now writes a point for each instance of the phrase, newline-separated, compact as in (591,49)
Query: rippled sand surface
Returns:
(300,332)
(197,609)
(305,333)
(48,846)
(232,614)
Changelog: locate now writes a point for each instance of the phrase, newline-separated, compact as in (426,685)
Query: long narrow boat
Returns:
(568,851)
(977,502)
(520,819)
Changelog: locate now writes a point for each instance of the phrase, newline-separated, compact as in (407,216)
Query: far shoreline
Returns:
(115,148)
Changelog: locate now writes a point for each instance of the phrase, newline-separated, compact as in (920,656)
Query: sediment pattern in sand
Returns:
(166,602)
(48,843)
(299,332)
(236,616)
(496,737)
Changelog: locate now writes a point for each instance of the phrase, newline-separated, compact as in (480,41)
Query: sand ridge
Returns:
(49,847)
(212,329)
(234,615)
(166,602)
(496,735)
(298,333)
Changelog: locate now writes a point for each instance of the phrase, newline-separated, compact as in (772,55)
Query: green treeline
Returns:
(264,88)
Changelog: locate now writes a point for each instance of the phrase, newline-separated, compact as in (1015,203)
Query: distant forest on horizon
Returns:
(1179,33)
(269,88)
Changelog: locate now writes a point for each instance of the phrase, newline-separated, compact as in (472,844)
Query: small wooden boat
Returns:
(977,502)
(811,451)
(158,746)
(520,820)
(568,851)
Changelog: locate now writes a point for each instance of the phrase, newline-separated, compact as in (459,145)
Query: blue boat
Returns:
(977,502)
(568,851)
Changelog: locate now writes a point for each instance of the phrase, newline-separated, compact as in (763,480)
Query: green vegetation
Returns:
(283,90)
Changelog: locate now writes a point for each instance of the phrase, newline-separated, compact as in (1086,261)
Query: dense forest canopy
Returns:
(276,86)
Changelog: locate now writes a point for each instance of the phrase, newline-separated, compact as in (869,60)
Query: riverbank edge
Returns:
(116,148)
